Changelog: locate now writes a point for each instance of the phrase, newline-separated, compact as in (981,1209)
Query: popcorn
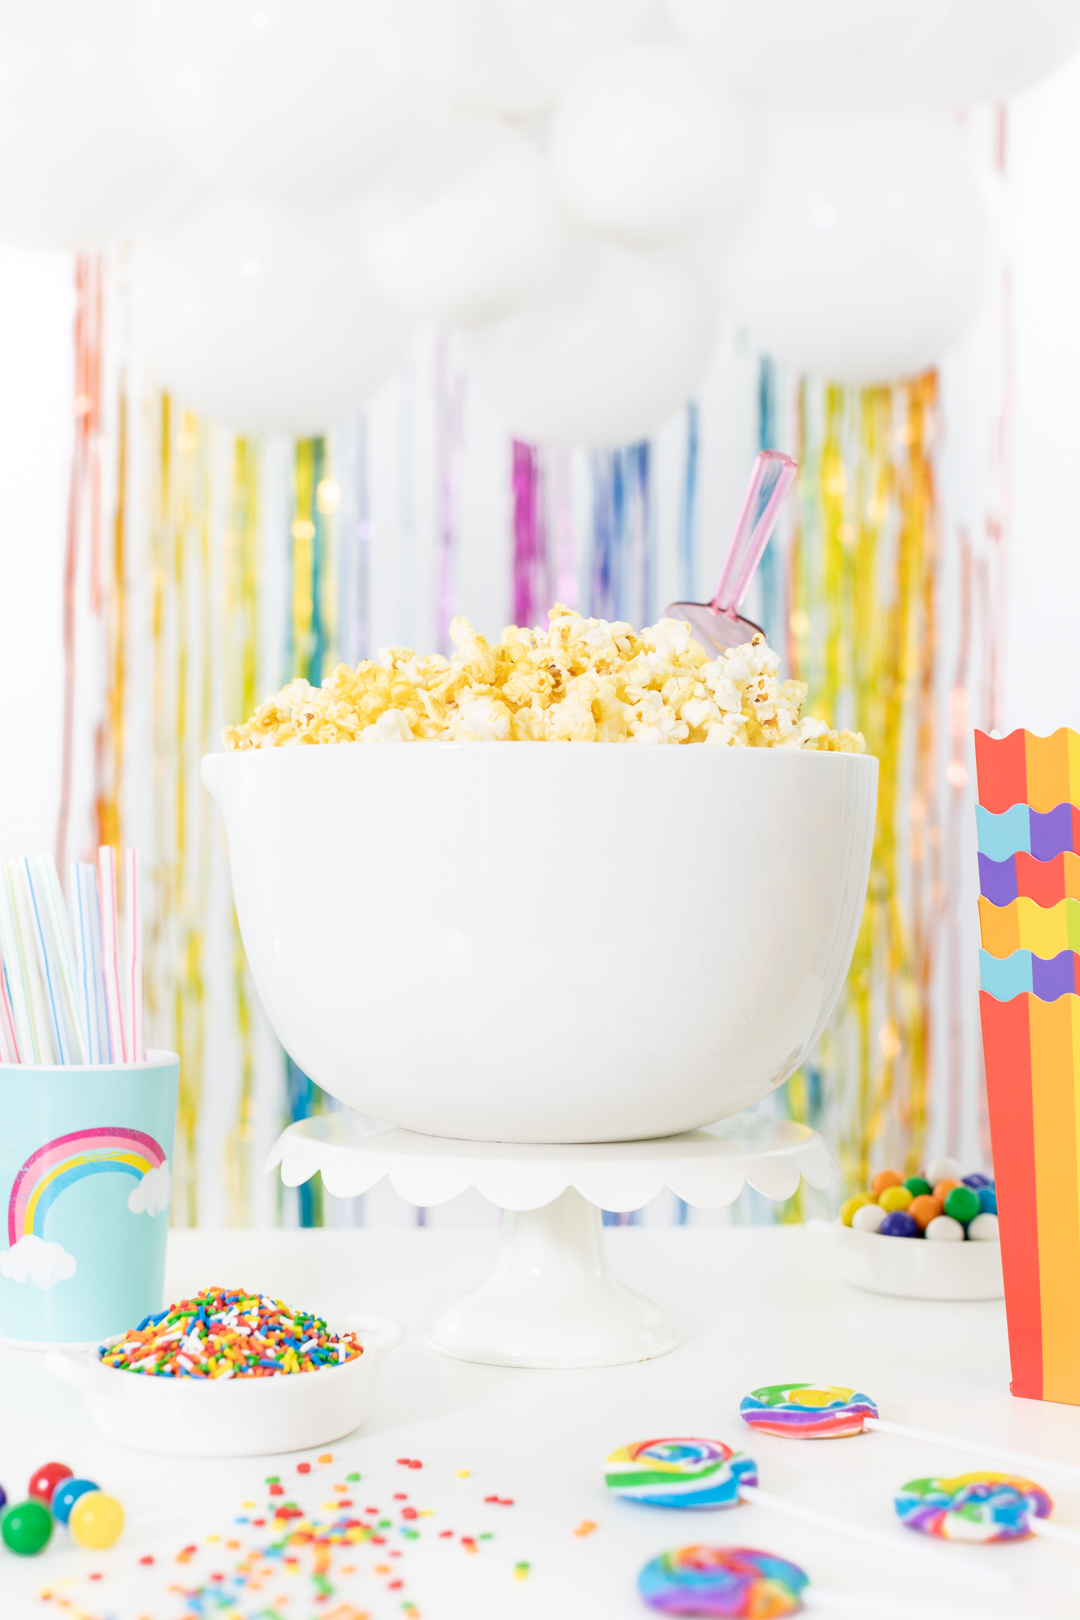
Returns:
(581,680)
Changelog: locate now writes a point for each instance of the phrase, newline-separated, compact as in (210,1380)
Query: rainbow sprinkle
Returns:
(230,1333)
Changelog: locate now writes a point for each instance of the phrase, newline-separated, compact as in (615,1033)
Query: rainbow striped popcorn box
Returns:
(1029,912)
(86,1178)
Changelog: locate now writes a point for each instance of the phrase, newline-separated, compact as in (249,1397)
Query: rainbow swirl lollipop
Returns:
(680,1473)
(973,1507)
(806,1411)
(724,1582)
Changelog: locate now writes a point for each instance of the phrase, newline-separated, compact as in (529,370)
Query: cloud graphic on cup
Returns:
(150,1195)
(32,1260)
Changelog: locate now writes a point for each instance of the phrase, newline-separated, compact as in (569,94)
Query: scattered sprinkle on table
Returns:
(230,1333)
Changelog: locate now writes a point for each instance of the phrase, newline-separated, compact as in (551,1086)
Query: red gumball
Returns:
(43,1481)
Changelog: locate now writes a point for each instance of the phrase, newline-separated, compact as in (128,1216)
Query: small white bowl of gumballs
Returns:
(928,1236)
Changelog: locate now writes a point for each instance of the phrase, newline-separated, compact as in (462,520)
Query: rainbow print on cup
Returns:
(85,1179)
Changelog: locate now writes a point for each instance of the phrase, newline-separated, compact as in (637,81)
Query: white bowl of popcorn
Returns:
(556,943)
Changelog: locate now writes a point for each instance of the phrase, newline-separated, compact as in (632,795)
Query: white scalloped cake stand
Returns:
(552,1300)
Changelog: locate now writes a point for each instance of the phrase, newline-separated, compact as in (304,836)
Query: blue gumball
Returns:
(66,1495)
(899,1224)
(987,1201)
(977,1181)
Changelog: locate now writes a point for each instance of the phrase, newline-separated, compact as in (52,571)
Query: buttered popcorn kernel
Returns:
(581,680)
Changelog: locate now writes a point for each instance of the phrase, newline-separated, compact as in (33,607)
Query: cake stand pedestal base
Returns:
(552,1300)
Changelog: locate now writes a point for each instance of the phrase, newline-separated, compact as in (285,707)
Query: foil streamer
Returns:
(622,573)
(688,508)
(449,447)
(863,572)
(531,572)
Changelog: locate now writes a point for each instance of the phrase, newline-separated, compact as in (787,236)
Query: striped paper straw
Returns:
(110,951)
(91,974)
(48,955)
(9,1047)
(133,986)
(14,973)
(47,879)
(41,1045)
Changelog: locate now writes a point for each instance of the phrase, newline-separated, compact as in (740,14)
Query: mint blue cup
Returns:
(85,1182)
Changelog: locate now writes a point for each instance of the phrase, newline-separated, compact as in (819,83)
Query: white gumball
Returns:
(943,1229)
(299,101)
(944,1169)
(807,52)
(648,144)
(258,321)
(868,245)
(464,226)
(868,1218)
(613,346)
(984,1228)
(519,54)
(85,160)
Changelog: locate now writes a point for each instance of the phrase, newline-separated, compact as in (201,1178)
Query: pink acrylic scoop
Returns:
(717,624)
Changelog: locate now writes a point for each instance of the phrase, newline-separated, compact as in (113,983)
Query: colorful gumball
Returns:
(918,1186)
(733,1582)
(26,1527)
(942,1189)
(979,1507)
(868,1218)
(923,1210)
(962,1204)
(977,1181)
(883,1180)
(3,1498)
(988,1200)
(67,1493)
(984,1229)
(96,1520)
(900,1224)
(680,1473)
(943,1229)
(894,1198)
(850,1205)
(45,1480)
(806,1411)
(943,1169)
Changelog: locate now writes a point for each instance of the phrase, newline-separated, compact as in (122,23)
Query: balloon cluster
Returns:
(576,186)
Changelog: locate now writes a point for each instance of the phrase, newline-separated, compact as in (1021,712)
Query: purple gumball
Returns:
(899,1224)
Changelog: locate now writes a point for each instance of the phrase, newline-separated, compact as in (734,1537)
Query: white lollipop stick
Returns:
(815,1597)
(1018,1459)
(1053,1532)
(884,1539)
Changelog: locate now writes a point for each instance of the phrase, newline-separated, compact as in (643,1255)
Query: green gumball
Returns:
(918,1186)
(962,1204)
(26,1527)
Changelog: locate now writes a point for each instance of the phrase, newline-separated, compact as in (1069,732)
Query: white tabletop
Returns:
(754,1305)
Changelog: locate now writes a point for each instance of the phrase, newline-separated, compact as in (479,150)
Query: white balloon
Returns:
(807,51)
(85,161)
(464,226)
(647,143)
(868,245)
(987,50)
(299,101)
(614,345)
(520,53)
(260,322)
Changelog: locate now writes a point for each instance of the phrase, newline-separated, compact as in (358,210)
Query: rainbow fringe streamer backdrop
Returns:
(861,619)
(236,565)
(1029,821)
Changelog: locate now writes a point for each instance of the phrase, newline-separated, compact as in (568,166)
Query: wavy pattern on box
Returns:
(1020,829)
(1021,875)
(1046,931)
(1025,974)
(1024,770)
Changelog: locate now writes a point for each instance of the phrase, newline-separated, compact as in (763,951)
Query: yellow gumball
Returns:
(96,1520)
(850,1205)
(894,1198)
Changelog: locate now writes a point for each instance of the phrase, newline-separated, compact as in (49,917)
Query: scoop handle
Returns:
(772,476)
